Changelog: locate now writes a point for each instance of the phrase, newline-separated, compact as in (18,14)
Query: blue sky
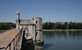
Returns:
(49,10)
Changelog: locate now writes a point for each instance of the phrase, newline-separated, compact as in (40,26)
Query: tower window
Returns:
(36,33)
(19,20)
(36,21)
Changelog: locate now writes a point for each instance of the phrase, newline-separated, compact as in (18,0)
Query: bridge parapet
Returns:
(11,40)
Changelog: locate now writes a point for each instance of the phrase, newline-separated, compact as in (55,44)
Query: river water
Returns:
(62,40)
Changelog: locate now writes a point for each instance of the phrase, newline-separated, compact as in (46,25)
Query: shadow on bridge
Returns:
(27,44)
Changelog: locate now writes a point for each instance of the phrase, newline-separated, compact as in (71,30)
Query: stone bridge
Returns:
(13,40)
(26,31)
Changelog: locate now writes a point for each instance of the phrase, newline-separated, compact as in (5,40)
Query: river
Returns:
(62,40)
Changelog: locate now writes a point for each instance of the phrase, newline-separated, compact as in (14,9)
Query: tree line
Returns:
(46,25)
(7,25)
(62,25)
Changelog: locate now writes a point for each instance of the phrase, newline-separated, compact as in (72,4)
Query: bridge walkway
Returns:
(8,38)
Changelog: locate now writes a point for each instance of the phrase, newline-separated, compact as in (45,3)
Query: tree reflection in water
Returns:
(62,40)
(59,34)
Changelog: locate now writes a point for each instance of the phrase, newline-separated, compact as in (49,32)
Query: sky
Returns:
(48,10)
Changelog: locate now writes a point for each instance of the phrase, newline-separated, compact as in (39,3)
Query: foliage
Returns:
(6,25)
(62,25)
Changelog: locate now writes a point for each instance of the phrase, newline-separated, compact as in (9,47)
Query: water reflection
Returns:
(62,40)
(37,47)
(47,45)
(65,34)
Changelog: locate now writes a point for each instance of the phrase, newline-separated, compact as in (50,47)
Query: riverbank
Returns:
(62,29)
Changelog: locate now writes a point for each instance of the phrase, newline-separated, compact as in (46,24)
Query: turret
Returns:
(18,18)
(38,35)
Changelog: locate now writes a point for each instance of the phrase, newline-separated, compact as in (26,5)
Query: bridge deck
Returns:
(7,37)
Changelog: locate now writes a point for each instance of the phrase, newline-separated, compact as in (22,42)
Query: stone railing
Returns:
(15,43)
